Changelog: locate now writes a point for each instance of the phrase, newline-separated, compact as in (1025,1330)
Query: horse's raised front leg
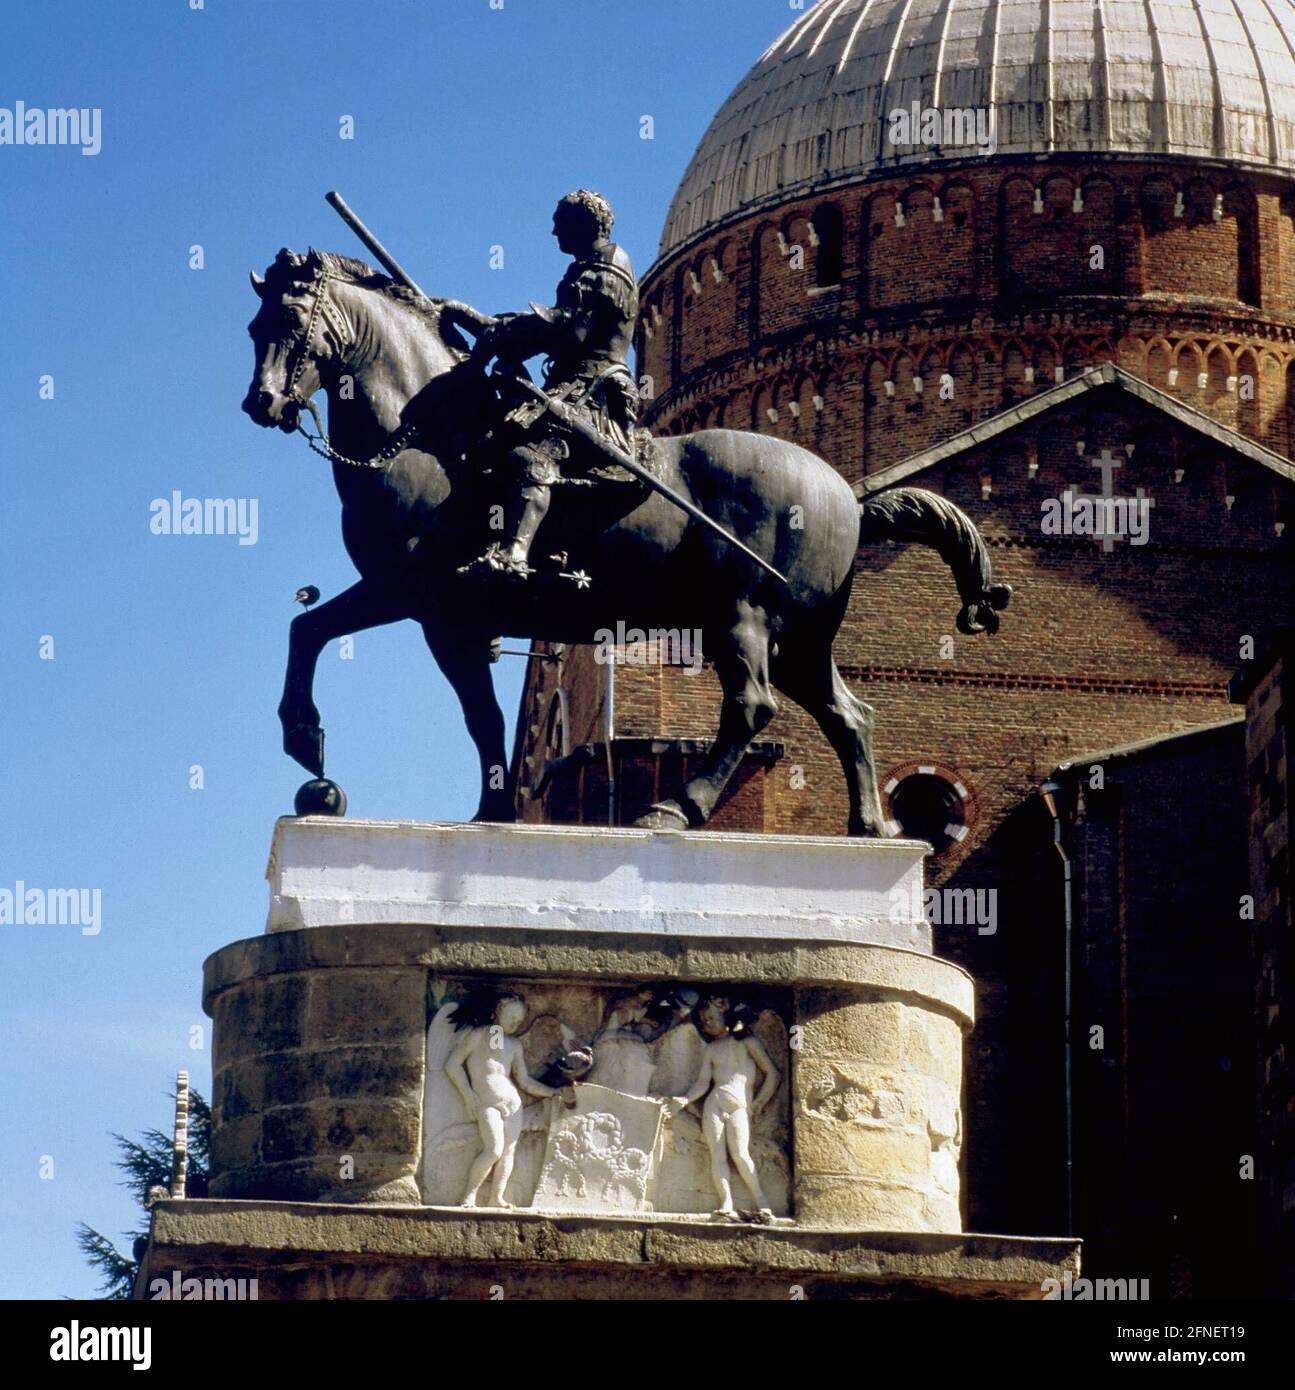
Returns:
(364,605)
(741,658)
(465,660)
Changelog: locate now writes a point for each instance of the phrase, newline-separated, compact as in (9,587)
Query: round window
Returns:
(929,803)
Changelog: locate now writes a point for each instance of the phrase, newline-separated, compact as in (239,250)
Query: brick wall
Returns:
(1163,1018)
(1266,686)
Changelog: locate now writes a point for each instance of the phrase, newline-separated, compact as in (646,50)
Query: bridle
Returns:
(319,287)
(323,306)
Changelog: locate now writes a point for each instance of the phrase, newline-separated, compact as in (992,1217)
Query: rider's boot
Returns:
(511,557)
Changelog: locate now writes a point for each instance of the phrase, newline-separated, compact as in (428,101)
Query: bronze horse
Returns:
(407,401)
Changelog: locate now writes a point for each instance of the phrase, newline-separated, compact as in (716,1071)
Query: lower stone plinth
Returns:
(300,1250)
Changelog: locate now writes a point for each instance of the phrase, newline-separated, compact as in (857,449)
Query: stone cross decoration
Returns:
(1108,463)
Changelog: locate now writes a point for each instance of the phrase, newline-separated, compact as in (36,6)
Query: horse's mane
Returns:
(362,274)
(444,317)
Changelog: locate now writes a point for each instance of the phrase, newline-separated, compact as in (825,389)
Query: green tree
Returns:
(146,1163)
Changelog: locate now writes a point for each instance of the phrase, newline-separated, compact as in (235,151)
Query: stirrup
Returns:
(496,560)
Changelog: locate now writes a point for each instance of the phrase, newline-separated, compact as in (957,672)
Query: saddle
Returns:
(528,424)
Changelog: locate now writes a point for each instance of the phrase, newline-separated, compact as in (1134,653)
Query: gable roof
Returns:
(1108,374)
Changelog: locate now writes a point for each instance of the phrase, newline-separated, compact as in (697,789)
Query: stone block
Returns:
(838,1023)
(390,1071)
(943,1112)
(862,1149)
(238,1090)
(326,871)
(940,1212)
(265,1015)
(376,1178)
(840,1203)
(332,1130)
(365,1006)
(307,1250)
(235,1143)
(858,1091)
(932,1044)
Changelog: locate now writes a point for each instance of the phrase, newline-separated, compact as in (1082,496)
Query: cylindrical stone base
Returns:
(317,1081)
(319,1057)
(877,1120)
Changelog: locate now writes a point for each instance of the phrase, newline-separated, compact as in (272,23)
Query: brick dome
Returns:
(1210,80)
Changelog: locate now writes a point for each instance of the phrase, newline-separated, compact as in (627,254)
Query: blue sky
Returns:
(220,128)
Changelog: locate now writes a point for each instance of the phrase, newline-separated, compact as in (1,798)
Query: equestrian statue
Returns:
(481,504)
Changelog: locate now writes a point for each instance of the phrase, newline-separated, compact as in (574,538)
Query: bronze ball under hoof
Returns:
(319,797)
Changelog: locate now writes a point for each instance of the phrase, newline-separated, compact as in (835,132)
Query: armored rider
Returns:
(586,338)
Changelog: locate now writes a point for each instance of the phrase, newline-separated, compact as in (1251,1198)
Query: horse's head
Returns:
(295,330)
(319,309)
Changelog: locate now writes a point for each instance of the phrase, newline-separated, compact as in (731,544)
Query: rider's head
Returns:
(581,220)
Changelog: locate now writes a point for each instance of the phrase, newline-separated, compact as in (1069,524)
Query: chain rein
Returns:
(320,443)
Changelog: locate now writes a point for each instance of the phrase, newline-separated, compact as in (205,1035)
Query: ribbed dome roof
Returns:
(1211,79)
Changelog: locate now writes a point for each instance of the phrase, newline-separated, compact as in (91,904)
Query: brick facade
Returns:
(1266,687)
(1162,1019)
(1000,276)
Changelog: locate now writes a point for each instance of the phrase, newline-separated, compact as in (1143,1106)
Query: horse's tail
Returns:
(913,514)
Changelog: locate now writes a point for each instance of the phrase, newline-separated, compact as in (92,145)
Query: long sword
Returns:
(569,418)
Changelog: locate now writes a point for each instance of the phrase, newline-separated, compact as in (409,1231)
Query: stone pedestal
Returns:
(712,963)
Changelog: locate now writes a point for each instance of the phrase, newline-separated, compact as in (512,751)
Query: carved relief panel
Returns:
(570,1097)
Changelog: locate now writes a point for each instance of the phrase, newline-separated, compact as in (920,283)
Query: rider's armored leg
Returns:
(529,473)
(526,510)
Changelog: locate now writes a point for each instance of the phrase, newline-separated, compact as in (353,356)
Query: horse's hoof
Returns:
(320,797)
(665,815)
(872,829)
(304,744)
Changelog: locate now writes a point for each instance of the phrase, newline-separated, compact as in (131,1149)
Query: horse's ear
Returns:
(313,259)
(287,257)
(258,283)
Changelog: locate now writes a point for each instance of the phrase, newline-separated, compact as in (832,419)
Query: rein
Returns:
(320,442)
(322,445)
